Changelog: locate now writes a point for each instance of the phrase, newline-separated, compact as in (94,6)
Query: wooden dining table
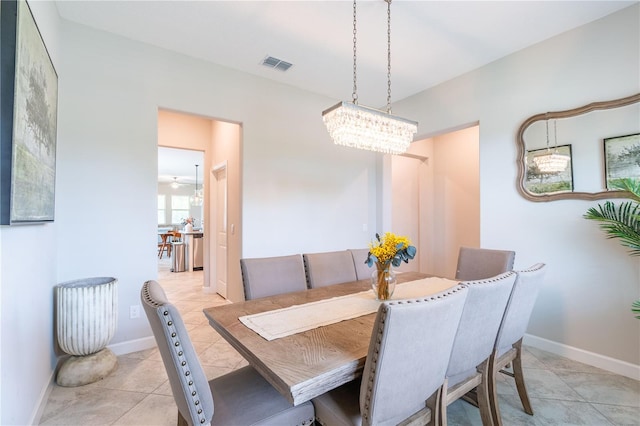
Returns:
(304,365)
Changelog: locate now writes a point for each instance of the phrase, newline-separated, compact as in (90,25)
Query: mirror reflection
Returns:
(577,153)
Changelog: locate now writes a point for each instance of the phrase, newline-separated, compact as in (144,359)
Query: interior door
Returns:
(220,175)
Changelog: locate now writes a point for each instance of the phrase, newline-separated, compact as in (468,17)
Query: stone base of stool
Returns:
(82,370)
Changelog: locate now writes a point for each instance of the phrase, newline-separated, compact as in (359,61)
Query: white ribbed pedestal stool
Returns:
(87,314)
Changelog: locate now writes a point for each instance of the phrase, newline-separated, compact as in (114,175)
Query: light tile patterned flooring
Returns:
(563,392)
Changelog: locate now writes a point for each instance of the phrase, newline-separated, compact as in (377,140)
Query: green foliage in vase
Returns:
(622,221)
(635,307)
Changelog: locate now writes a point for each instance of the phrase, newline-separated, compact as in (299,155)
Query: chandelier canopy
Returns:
(362,127)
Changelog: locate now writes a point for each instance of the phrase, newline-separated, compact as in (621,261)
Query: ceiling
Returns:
(432,41)
(180,164)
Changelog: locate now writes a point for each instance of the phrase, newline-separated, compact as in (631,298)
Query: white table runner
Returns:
(298,318)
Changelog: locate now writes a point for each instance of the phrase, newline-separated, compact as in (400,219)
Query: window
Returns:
(162,212)
(179,208)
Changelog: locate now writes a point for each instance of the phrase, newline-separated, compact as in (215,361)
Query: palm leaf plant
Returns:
(622,221)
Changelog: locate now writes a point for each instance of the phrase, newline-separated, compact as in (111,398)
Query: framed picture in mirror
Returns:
(549,170)
(621,158)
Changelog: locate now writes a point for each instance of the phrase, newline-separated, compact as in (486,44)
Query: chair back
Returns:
(268,276)
(363,271)
(481,318)
(395,383)
(329,268)
(189,384)
(520,305)
(480,264)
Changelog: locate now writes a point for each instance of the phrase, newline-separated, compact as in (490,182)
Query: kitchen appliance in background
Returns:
(177,256)
(197,252)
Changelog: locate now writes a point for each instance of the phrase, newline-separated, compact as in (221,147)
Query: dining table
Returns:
(310,362)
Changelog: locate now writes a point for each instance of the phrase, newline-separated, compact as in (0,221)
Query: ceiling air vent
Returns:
(276,63)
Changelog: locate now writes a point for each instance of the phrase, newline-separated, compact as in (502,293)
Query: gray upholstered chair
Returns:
(480,264)
(327,268)
(403,374)
(241,397)
(508,347)
(469,364)
(363,271)
(268,276)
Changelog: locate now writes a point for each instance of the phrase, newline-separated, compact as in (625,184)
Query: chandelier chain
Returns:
(546,120)
(388,56)
(353,125)
(355,85)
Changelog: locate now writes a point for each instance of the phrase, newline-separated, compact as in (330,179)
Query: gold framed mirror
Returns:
(561,154)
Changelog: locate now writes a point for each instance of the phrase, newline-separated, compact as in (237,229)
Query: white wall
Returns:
(591,281)
(28,272)
(456,197)
(112,90)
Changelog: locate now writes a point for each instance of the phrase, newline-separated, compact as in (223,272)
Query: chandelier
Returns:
(362,127)
(175,184)
(551,162)
(196,198)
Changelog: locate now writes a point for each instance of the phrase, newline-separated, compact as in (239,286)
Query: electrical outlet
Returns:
(134,311)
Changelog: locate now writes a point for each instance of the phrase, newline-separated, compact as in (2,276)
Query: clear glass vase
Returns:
(383,282)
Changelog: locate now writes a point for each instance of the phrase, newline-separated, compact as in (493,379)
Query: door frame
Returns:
(213,242)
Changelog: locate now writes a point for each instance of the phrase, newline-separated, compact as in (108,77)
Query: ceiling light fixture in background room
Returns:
(196,198)
(362,127)
(551,162)
(175,184)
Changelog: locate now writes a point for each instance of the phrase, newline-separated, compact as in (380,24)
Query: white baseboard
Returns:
(136,345)
(207,289)
(44,398)
(601,361)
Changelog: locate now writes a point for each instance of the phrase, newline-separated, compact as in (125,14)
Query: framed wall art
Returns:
(28,118)
(621,158)
(538,181)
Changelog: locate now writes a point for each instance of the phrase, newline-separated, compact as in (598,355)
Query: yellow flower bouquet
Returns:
(388,250)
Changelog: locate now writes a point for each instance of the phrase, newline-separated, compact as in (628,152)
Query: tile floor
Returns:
(562,392)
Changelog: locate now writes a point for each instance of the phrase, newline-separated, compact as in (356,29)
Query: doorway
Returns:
(436,198)
(220,141)
(179,184)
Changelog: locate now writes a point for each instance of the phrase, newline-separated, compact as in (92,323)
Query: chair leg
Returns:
(519,377)
(493,389)
(162,249)
(482,392)
(441,405)
(433,403)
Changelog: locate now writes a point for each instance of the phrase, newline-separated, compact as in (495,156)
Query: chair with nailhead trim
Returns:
(480,263)
(268,276)
(468,368)
(404,372)
(363,271)
(330,267)
(241,397)
(508,346)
